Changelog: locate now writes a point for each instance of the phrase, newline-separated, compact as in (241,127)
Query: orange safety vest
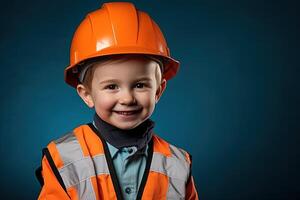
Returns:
(79,166)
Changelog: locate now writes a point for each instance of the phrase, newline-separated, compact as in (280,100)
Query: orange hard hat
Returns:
(117,28)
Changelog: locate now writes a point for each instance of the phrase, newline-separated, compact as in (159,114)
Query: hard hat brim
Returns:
(171,65)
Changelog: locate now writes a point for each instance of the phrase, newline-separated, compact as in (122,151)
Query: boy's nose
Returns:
(127,98)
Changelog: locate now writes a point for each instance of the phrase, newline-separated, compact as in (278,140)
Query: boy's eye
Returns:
(140,85)
(111,87)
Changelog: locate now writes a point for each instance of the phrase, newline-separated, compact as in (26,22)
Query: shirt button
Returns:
(128,190)
(130,150)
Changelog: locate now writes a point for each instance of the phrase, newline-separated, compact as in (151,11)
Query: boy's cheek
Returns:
(104,104)
(146,99)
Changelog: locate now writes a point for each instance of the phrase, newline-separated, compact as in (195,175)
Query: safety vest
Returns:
(79,166)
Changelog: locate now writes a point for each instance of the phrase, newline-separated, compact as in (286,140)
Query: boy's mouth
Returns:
(129,112)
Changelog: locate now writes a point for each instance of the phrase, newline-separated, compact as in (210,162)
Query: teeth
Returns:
(126,113)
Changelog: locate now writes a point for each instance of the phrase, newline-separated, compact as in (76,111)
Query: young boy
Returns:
(120,64)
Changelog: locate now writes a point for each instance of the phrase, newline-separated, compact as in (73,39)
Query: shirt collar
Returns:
(113,150)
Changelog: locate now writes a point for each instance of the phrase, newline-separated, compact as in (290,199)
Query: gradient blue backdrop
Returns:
(234,104)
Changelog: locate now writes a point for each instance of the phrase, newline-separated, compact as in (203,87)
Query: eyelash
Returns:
(111,87)
(140,84)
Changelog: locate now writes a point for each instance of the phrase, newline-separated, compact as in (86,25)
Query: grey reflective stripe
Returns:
(100,164)
(176,186)
(176,168)
(78,170)
(178,153)
(79,173)
(176,189)
(169,166)
(69,148)
(85,190)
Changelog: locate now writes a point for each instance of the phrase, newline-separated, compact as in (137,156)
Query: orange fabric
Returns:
(55,155)
(106,189)
(87,138)
(73,193)
(151,191)
(161,146)
(81,139)
(191,192)
(51,189)
(188,158)
(95,186)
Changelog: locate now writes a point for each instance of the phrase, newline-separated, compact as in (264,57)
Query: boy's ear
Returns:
(160,90)
(85,95)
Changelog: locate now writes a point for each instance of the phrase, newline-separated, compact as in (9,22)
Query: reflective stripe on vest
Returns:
(78,170)
(175,167)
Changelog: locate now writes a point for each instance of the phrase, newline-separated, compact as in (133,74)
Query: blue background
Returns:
(234,104)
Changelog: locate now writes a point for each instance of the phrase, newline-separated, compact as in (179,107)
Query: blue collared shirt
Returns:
(130,166)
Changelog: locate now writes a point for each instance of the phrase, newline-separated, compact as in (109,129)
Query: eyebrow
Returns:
(108,81)
(144,79)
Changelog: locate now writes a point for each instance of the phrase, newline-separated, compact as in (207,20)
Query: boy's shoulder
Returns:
(70,135)
(170,150)
(164,142)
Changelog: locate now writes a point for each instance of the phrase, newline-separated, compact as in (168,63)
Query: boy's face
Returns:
(124,93)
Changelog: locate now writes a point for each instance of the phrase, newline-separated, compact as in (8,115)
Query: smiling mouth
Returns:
(126,113)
